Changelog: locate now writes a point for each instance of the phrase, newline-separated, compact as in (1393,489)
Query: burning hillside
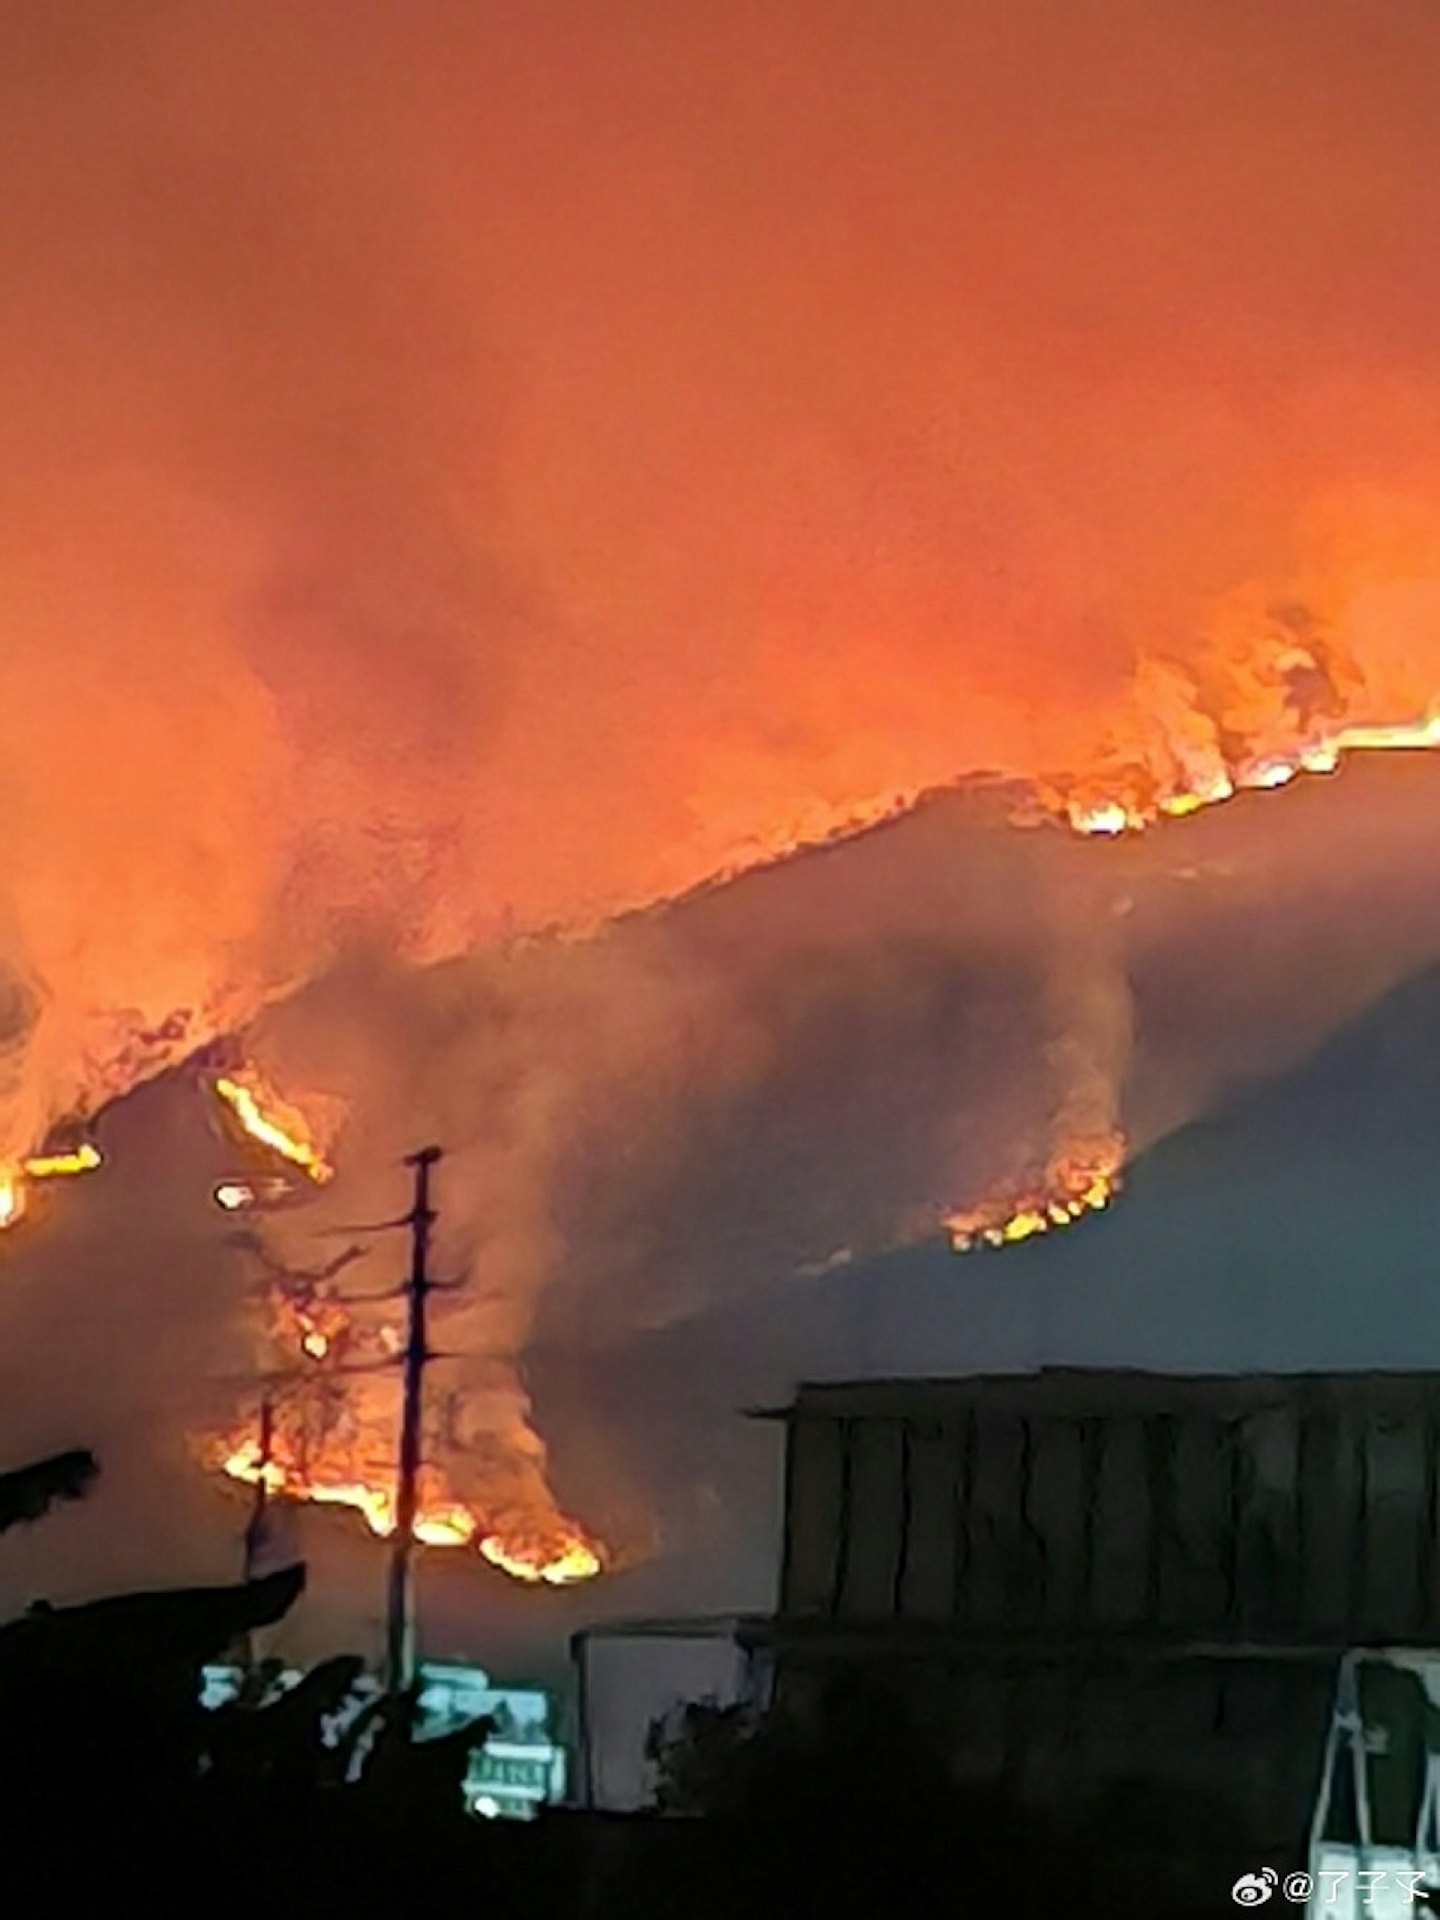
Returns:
(18,1176)
(1081,1182)
(1239,1243)
(328,1424)
(274,1125)
(518,581)
(336,1442)
(552,1555)
(435,540)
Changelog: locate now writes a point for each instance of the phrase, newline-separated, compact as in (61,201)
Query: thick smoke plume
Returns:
(468,470)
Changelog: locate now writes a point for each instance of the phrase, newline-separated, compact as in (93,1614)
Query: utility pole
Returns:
(400,1617)
(255,1526)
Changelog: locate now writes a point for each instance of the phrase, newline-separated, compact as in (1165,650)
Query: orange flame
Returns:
(1136,801)
(440,1522)
(16,1176)
(1075,1185)
(12,1196)
(557,1563)
(272,1123)
(52,1166)
(325,1448)
(1130,798)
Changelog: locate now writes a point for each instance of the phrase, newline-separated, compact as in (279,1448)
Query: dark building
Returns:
(1085,1579)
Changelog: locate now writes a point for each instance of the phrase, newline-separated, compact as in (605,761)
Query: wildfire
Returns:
(247,1463)
(1130,798)
(1137,801)
(439,1522)
(1075,1185)
(16,1177)
(51,1166)
(328,1442)
(236,1196)
(555,1563)
(273,1123)
(445,1527)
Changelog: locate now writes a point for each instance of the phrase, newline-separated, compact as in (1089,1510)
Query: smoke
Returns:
(465,469)
(468,470)
(1091,1017)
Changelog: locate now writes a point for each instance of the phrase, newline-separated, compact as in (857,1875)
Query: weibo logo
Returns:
(1254,1889)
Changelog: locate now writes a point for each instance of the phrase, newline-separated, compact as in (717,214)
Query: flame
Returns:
(556,1563)
(278,1475)
(51,1166)
(1137,802)
(445,1527)
(1075,1185)
(323,1446)
(440,1522)
(12,1196)
(15,1176)
(323,1449)
(1192,745)
(236,1195)
(1131,799)
(273,1123)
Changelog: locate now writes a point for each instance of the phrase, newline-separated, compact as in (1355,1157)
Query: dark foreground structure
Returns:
(1156,1632)
(1091,1582)
(1068,1643)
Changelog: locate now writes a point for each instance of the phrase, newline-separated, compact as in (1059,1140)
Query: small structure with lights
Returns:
(520,1768)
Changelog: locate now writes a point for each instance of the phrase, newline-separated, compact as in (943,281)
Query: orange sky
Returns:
(465,465)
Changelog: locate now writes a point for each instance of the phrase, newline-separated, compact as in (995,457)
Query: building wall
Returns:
(631,1681)
(1302,1509)
(1086,1579)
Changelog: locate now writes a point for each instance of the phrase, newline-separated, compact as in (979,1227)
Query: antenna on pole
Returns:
(400,1613)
